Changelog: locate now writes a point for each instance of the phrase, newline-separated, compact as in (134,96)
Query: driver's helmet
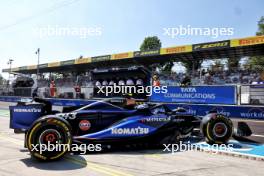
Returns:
(142,106)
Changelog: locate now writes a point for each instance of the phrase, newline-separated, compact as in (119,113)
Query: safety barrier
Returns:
(252,94)
(226,95)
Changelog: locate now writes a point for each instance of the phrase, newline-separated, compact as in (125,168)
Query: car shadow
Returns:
(68,162)
(149,150)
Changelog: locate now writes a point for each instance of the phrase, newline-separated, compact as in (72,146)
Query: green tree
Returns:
(257,62)
(150,43)
(260,26)
(154,43)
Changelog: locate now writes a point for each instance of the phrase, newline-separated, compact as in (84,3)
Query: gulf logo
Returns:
(84,125)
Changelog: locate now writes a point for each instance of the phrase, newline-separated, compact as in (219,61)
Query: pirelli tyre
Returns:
(49,138)
(217,129)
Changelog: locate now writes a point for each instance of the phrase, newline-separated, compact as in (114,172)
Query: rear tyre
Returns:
(49,138)
(218,130)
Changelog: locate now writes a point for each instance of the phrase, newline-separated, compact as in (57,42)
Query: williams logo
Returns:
(137,130)
(27,110)
(156,119)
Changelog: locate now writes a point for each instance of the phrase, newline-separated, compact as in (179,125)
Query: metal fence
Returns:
(252,94)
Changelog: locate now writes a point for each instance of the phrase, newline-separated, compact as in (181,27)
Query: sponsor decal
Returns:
(54,64)
(27,110)
(43,65)
(6,70)
(23,68)
(253,113)
(101,58)
(247,41)
(82,60)
(68,62)
(191,93)
(146,53)
(31,67)
(211,45)
(137,130)
(156,119)
(122,55)
(84,125)
(177,49)
(220,110)
(200,94)
(15,69)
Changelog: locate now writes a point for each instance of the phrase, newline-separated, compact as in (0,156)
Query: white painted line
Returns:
(257,135)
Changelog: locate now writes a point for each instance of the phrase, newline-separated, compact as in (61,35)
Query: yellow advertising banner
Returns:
(177,49)
(82,60)
(31,67)
(15,69)
(247,41)
(54,64)
(122,55)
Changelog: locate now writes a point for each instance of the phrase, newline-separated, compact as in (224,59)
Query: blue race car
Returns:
(112,122)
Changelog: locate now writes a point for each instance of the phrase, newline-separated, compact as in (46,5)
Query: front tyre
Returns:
(218,129)
(49,138)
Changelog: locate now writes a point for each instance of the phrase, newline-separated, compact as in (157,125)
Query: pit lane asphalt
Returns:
(15,160)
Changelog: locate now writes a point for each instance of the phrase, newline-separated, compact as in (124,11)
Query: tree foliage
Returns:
(258,61)
(150,43)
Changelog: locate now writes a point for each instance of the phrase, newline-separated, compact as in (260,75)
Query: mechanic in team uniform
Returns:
(129,102)
(52,89)
(105,83)
(186,81)
(139,82)
(130,82)
(121,82)
(155,80)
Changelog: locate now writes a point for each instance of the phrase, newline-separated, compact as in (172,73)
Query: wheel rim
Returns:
(49,136)
(220,129)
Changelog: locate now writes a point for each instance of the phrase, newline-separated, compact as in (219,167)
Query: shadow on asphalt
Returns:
(140,150)
(67,163)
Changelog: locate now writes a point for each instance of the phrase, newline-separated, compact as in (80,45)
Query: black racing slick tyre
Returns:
(49,138)
(218,129)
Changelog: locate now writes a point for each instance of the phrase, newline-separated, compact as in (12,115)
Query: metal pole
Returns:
(38,52)
(10,67)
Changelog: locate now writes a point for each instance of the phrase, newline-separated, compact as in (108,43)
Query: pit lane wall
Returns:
(198,100)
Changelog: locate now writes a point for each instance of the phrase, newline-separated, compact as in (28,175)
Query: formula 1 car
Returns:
(112,122)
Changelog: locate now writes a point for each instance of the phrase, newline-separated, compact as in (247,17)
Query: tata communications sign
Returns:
(198,94)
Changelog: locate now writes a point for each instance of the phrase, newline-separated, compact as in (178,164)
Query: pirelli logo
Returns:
(122,55)
(177,49)
(247,41)
(211,45)
(82,60)
(54,64)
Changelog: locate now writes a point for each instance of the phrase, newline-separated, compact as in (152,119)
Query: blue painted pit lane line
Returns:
(236,147)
